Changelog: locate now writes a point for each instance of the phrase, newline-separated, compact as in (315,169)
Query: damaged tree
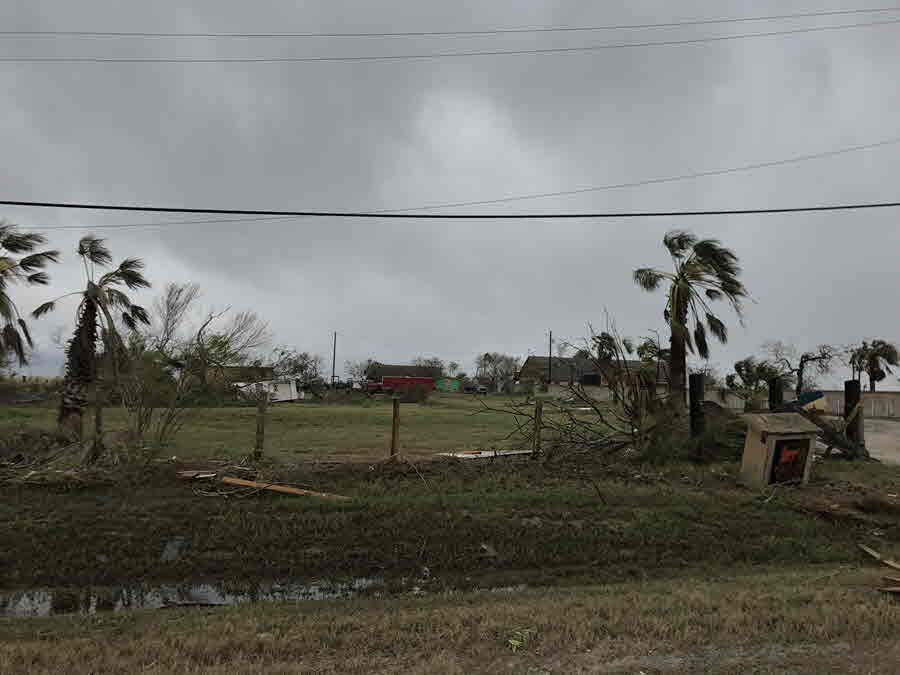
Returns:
(631,413)
(95,325)
(704,271)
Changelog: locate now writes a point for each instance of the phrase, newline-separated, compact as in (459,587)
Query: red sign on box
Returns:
(789,460)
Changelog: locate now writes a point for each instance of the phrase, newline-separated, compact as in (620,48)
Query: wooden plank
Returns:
(880,558)
(275,487)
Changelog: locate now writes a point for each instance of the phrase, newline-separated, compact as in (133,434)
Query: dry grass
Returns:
(753,619)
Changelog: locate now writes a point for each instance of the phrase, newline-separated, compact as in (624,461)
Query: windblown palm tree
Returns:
(102,302)
(704,271)
(14,335)
(875,359)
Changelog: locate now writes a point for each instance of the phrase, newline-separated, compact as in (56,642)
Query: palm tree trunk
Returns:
(678,370)
(81,369)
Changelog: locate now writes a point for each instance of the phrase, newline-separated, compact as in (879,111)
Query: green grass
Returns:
(735,620)
(692,557)
(544,523)
(313,431)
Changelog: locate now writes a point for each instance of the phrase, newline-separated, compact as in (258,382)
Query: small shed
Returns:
(448,384)
(778,449)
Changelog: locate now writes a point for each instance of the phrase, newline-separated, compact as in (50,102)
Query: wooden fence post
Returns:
(261,403)
(538,414)
(697,389)
(395,427)
(855,430)
(776,394)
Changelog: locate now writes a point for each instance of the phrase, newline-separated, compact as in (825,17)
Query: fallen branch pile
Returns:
(894,581)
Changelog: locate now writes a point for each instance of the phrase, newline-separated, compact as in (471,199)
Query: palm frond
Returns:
(94,249)
(717,327)
(37,261)
(20,242)
(116,298)
(128,273)
(129,321)
(679,242)
(713,294)
(700,340)
(711,252)
(46,308)
(11,342)
(38,278)
(23,329)
(140,314)
(7,307)
(648,278)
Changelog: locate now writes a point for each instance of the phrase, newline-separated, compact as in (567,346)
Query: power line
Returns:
(452,216)
(451,33)
(657,181)
(502,200)
(437,55)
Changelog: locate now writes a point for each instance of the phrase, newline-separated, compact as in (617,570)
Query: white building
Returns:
(279,390)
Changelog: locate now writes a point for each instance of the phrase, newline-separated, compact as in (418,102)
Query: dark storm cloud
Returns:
(404,134)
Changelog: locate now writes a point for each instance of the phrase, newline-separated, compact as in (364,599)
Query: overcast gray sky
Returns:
(399,134)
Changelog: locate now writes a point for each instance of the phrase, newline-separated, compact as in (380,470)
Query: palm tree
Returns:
(95,322)
(875,359)
(14,335)
(704,271)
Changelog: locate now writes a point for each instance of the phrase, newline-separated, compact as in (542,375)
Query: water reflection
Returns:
(117,599)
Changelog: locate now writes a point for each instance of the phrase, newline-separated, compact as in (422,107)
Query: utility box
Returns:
(778,449)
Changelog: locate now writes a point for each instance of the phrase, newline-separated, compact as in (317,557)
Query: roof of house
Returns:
(535,367)
(376,371)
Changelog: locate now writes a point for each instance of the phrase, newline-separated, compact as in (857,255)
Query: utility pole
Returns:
(550,360)
(333,358)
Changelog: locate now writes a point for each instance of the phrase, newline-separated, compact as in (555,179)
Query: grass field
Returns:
(806,619)
(314,431)
(629,560)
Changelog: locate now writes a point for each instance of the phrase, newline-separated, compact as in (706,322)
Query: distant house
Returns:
(376,371)
(565,370)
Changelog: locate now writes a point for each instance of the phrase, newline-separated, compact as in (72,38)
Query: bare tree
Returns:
(498,368)
(170,310)
(632,416)
(436,364)
(750,379)
(358,369)
(295,365)
(786,358)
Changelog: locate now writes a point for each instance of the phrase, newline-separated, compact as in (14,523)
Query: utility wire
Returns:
(501,200)
(657,181)
(450,216)
(437,55)
(436,33)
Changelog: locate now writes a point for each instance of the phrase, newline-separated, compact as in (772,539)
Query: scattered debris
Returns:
(481,454)
(276,487)
(197,475)
(880,558)
(895,588)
